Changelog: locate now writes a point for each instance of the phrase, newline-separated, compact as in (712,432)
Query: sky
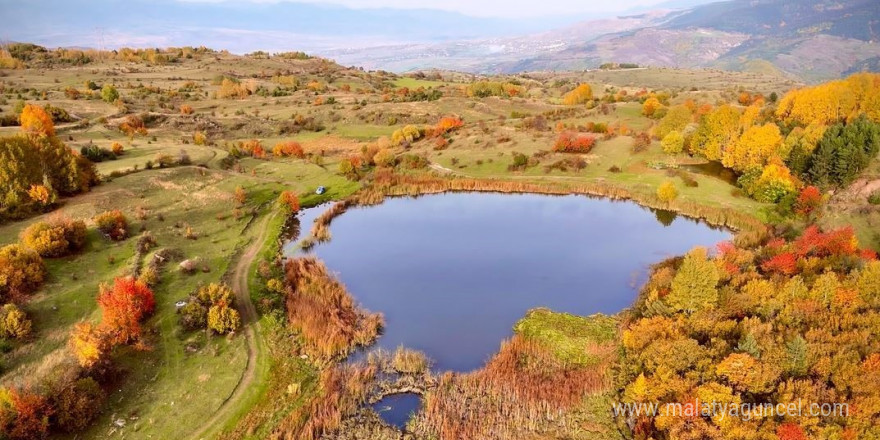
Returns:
(485,8)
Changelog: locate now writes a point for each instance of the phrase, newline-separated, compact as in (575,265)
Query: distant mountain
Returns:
(810,39)
(243,26)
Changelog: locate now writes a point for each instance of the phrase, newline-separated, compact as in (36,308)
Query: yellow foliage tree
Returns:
(580,95)
(88,344)
(651,106)
(754,148)
(717,130)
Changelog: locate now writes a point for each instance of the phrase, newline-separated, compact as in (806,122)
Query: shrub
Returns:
(186,109)
(287,149)
(223,319)
(569,142)
(78,404)
(21,271)
(673,143)
(117,149)
(113,224)
(667,192)
(14,323)
(95,153)
(385,158)
(193,316)
(57,238)
(109,93)
(199,138)
(289,201)
(641,142)
(123,307)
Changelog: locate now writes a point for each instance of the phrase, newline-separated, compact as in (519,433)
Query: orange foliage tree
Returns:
(289,148)
(35,120)
(570,142)
(124,306)
(290,201)
(580,95)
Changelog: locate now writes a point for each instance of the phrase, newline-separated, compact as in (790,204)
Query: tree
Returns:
(77,404)
(194,316)
(754,148)
(677,119)
(716,131)
(667,192)
(289,201)
(809,201)
(650,107)
(580,95)
(569,142)
(30,416)
(774,183)
(694,286)
(14,323)
(113,224)
(35,120)
(843,152)
(222,318)
(124,306)
(21,271)
(109,93)
(56,238)
(673,143)
(384,158)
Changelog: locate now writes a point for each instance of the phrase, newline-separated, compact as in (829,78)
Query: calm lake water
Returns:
(397,409)
(452,273)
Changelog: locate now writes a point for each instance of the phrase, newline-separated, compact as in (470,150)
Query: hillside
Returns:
(806,39)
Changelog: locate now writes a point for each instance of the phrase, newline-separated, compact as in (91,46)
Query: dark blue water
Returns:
(452,273)
(397,409)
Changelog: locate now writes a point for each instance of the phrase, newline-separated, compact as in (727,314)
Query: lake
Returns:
(452,273)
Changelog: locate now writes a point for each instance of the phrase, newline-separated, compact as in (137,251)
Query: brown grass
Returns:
(524,390)
(322,311)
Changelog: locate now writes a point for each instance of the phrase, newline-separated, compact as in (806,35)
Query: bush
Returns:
(641,142)
(667,192)
(95,153)
(673,143)
(223,319)
(287,149)
(78,404)
(61,236)
(569,142)
(14,323)
(22,271)
(109,93)
(193,316)
(117,149)
(113,224)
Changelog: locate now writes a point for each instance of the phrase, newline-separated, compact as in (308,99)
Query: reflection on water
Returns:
(452,273)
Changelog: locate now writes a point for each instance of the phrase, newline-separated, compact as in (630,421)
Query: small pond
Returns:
(452,273)
(397,409)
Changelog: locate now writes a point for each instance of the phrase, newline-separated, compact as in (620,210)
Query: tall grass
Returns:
(524,390)
(321,310)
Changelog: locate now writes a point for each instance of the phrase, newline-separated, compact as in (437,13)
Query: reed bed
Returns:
(321,310)
(523,391)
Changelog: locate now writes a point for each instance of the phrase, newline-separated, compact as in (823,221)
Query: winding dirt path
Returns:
(250,324)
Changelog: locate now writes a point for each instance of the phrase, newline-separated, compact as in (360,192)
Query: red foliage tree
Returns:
(790,431)
(784,263)
(27,417)
(809,201)
(124,306)
(816,243)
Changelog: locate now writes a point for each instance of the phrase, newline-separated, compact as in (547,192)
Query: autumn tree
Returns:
(289,201)
(35,120)
(581,94)
(650,106)
(753,149)
(24,415)
(113,224)
(240,195)
(14,323)
(89,344)
(288,148)
(677,119)
(56,238)
(222,318)
(694,286)
(717,129)
(809,201)
(21,271)
(667,192)
(384,158)
(673,143)
(124,306)
(77,404)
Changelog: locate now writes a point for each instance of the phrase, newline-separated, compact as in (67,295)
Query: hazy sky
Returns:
(486,8)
